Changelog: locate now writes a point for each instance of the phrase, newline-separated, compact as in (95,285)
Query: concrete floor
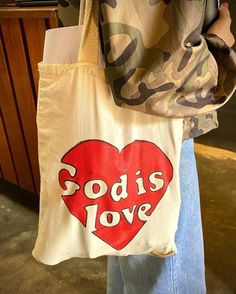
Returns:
(217,178)
(19,273)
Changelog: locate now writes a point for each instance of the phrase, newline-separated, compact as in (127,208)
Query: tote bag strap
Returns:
(81,12)
(89,46)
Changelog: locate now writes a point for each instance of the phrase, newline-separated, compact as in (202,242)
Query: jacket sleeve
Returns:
(160,65)
(226,61)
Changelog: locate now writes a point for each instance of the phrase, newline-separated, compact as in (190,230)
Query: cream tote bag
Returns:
(109,176)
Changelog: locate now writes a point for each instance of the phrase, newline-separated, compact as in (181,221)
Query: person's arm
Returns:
(220,39)
(221,27)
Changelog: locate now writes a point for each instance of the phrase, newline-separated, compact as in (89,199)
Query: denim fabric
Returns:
(182,273)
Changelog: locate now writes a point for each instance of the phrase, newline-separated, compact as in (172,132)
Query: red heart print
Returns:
(113,193)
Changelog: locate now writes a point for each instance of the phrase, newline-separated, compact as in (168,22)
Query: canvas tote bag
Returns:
(109,176)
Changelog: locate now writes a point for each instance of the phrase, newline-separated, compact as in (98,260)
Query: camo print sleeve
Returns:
(158,62)
(68,12)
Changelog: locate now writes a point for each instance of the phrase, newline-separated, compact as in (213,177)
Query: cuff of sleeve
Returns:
(199,125)
(226,61)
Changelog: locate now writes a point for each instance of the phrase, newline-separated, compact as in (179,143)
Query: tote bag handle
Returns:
(89,46)
(81,12)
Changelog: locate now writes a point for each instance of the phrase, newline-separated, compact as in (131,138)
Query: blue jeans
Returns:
(182,273)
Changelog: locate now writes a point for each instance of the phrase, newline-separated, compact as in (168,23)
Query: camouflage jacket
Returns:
(158,61)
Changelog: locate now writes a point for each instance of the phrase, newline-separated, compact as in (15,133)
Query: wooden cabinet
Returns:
(22,33)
